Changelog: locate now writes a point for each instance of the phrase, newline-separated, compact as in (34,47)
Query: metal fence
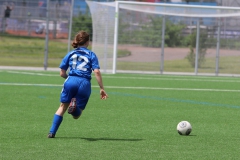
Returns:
(29,19)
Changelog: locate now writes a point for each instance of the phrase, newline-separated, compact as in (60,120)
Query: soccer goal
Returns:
(140,37)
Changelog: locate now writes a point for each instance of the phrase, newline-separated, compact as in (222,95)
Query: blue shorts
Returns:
(76,87)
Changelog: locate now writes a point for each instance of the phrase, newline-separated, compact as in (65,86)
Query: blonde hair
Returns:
(80,39)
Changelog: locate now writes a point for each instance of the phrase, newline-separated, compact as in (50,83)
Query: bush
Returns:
(150,33)
(202,48)
(82,22)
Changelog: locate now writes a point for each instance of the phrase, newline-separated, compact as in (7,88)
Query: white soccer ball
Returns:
(184,128)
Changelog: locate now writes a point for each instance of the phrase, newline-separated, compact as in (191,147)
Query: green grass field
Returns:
(29,51)
(138,121)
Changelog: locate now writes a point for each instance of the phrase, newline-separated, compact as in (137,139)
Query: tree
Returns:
(202,48)
(82,22)
(150,33)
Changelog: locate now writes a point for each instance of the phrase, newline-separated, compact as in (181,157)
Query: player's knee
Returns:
(76,116)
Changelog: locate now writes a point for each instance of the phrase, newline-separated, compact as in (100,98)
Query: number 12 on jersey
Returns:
(81,65)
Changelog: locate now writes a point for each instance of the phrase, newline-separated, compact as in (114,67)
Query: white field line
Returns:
(121,87)
(140,78)
(37,74)
(176,89)
(28,84)
(174,79)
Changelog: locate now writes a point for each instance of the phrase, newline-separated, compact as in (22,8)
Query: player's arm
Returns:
(12,6)
(63,73)
(98,76)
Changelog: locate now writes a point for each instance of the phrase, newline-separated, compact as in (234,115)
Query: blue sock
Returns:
(77,112)
(57,120)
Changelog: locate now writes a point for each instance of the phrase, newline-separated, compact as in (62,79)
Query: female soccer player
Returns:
(77,87)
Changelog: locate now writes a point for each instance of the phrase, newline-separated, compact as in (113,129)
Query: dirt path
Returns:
(143,54)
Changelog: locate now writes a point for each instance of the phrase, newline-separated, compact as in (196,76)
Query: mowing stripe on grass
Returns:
(176,100)
(145,97)
(140,78)
(122,87)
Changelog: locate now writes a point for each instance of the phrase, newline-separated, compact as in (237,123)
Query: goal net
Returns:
(139,37)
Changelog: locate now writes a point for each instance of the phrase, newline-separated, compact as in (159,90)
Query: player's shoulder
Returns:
(71,52)
(85,50)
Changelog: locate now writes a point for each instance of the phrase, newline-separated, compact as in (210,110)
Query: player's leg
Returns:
(62,109)
(57,119)
(67,93)
(82,97)
(73,109)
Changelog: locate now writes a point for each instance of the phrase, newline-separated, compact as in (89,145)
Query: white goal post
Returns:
(109,18)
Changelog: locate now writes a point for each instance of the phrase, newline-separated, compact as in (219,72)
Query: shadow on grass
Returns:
(101,139)
(188,135)
(110,139)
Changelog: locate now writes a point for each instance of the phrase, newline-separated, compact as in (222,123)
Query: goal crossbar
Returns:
(105,17)
(176,9)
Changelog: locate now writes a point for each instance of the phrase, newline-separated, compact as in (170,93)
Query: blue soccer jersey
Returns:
(80,62)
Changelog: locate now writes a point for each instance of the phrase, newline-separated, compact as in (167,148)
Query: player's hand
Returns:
(103,94)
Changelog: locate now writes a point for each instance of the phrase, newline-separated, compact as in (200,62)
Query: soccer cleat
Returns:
(51,135)
(72,106)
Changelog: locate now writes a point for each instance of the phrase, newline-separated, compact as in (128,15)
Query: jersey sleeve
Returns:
(65,62)
(95,63)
